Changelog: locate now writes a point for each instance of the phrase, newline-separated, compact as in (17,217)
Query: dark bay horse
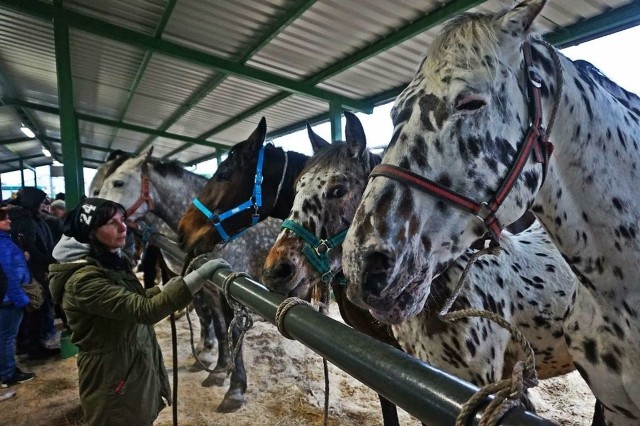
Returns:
(207,222)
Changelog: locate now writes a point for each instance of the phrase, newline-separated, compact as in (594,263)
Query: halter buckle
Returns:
(322,248)
(535,78)
(484,212)
(327,277)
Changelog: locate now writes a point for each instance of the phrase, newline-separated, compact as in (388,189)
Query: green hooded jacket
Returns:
(120,366)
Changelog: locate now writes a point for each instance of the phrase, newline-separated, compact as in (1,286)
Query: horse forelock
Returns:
(338,155)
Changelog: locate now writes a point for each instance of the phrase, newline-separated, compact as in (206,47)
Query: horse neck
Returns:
(172,194)
(596,152)
(283,204)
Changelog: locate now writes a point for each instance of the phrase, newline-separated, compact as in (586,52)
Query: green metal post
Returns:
(21,172)
(71,151)
(335,117)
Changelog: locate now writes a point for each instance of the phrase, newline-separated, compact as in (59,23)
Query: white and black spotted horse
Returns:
(171,189)
(469,154)
(528,283)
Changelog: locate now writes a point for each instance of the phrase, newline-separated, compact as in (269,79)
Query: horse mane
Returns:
(116,161)
(453,42)
(340,153)
(171,167)
(591,73)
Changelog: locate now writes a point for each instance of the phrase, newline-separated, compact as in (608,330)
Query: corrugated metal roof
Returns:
(182,75)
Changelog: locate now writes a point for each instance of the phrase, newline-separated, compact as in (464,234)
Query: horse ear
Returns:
(519,19)
(317,142)
(256,139)
(148,156)
(356,139)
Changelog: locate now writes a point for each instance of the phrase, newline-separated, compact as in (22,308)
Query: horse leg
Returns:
(148,264)
(234,398)
(204,348)
(219,373)
(598,415)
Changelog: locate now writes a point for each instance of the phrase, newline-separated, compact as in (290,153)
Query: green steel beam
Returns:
(609,22)
(113,123)
(171,4)
(28,118)
(16,140)
(335,118)
(210,85)
(26,158)
(71,152)
(134,38)
(418,26)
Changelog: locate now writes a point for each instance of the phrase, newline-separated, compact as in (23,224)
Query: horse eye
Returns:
(223,175)
(337,191)
(470,103)
(96,192)
(118,184)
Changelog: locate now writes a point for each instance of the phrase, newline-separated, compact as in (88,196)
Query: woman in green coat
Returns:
(121,372)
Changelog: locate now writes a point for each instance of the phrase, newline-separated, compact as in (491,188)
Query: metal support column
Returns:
(335,117)
(21,172)
(71,151)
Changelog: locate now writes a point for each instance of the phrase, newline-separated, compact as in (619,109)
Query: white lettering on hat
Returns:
(87,217)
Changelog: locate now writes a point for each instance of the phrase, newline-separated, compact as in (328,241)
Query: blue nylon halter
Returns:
(254,201)
(316,250)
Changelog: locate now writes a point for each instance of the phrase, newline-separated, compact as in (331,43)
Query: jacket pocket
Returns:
(121,386)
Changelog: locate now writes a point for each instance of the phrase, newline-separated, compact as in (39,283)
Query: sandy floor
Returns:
(286,387)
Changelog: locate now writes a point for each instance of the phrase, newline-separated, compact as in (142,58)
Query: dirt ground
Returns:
(286,388)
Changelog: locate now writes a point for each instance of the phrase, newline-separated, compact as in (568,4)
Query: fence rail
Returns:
(431,395)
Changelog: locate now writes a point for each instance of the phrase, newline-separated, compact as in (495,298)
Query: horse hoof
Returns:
(214,380)
(230,403)
(197,366)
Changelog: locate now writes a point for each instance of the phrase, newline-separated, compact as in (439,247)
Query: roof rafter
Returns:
(134,38)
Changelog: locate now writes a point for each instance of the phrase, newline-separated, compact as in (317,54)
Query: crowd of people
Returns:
(29,229)
(76,259)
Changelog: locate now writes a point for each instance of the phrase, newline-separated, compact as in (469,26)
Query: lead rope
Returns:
(508,392)
(241,319)
(281,313)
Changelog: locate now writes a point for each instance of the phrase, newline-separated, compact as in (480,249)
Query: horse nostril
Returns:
(282,270)
(375,269)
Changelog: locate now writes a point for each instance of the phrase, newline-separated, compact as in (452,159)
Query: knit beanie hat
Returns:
(90,214)
(31,197)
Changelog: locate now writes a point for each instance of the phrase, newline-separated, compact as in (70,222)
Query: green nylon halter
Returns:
(316,250)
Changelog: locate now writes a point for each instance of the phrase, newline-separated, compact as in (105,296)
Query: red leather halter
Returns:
(145,196)
(535,140)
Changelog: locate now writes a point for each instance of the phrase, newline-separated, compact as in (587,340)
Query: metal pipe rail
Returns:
(431,395)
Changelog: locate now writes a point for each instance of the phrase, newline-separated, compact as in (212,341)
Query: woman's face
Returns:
(5,224)
(113,234)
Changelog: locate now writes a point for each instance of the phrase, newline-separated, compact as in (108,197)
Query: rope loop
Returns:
(282,311)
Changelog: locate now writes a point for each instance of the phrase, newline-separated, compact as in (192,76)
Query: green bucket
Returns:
(67,349)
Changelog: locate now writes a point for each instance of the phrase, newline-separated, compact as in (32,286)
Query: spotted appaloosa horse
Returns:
(464,128)
(528,283)
(171,189)
(233,184)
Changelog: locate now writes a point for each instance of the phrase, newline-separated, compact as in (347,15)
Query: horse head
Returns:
(327,193)
(459,131)
(251,184)
(114,160)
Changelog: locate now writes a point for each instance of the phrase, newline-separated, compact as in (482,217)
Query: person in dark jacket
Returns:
(121,371)
(31,232)
(14,300)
